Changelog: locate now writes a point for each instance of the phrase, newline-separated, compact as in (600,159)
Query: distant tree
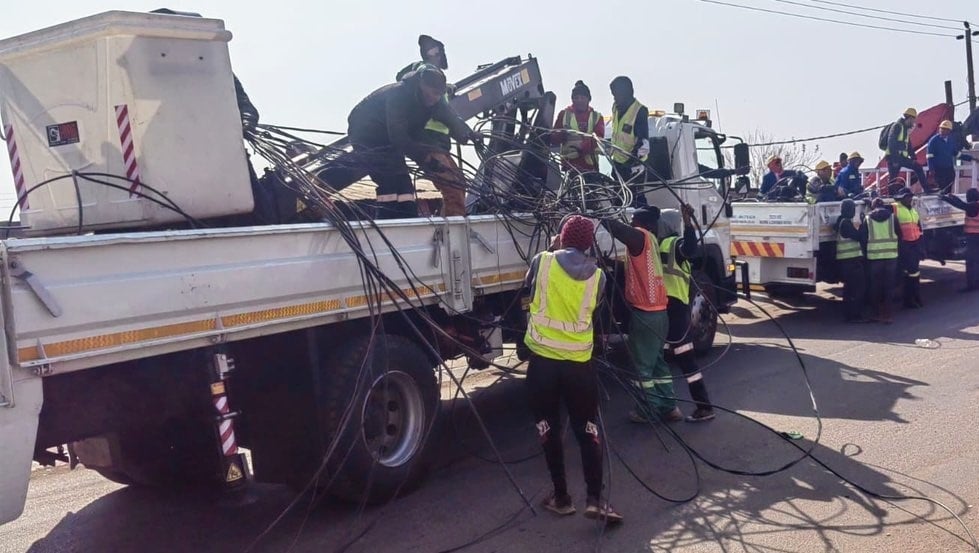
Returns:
(794,156)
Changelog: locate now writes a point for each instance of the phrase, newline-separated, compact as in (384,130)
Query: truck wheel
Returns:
(174,454)
(390,410)
(703,311)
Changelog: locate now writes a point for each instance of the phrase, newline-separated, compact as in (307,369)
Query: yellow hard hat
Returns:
(823,165)
(854,155)
(911,112)
(946,124)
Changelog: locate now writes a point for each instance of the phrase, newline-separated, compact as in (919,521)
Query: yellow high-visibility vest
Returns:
(560,325)
(676,276)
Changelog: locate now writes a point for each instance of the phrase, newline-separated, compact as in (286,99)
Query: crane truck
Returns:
(157,352)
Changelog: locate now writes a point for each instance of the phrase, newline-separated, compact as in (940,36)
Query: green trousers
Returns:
(647,334)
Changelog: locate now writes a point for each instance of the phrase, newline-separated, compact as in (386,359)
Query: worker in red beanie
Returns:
(565,289)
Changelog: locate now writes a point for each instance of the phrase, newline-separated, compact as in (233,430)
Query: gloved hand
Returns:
(635,170)
(450,89)
(643,149)
(686,210)
(475,137)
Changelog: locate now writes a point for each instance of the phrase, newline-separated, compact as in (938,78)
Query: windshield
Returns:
(709,156)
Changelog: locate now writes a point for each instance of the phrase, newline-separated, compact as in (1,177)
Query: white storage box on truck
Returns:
(143,96)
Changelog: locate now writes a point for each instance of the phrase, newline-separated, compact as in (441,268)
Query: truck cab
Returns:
(687,156)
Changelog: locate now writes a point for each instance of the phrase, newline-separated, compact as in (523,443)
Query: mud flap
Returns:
(18,431)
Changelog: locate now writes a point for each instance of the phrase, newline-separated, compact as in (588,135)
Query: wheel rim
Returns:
(393,419)
(700,317)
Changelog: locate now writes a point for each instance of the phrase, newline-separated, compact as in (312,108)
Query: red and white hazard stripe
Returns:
(229,446)
(18,171)
(128,148)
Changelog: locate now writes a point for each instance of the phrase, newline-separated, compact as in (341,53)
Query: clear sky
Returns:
(306,63)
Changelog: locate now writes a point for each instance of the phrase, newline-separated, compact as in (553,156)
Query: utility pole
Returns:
(970,74)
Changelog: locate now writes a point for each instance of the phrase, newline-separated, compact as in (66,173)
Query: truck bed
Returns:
(128,296)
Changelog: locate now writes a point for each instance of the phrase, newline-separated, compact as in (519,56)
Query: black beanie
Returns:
(426,43)
(580,89)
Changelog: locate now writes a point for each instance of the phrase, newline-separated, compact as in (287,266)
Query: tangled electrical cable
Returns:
(509,183)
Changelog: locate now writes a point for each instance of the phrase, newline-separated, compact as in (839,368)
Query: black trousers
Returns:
(895,163)
(944,177)
(972,261)
(680,350)
(386,167)
(549,383)
(883,276)
(853,273)
(909,256)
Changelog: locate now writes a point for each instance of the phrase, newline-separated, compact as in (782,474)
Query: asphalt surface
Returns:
(897,419)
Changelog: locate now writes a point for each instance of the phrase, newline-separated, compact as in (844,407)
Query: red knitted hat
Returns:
(577,232)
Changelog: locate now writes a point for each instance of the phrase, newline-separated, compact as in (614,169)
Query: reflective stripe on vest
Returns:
(881,239)
(902,140)
(571,148)
(676,276)
(908,219)
(847,248)
(624,132)
(644,287)
(972,225)
(560,324)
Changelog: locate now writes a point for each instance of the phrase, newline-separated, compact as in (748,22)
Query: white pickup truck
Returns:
(155,354)
(790,246)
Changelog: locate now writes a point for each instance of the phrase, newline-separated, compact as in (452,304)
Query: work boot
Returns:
(559,504)
(675,415)
(596,510)
(702,414)
(916,292)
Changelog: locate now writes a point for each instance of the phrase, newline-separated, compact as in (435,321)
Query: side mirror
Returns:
(741,158)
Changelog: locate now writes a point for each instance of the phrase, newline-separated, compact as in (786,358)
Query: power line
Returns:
(827,136)
(887,11)
(905,21)
(814,18)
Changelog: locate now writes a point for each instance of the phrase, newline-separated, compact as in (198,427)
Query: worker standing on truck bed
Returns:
(649,324)
(849,179)
(971,208)
(851,241)
(578,146)
(821,187)
(566,287)
(774,175)
(384,128)
(676,253)
(882,258)
(630,137)
(448,179)
(942,150)
(910,247)
(898,152)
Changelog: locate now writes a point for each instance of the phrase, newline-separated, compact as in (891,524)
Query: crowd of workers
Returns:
(412,118)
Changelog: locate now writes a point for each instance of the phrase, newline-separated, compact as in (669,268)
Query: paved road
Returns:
(897,418)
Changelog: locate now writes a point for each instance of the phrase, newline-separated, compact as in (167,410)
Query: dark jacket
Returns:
(895,146)
(249,115)
(850,181)
(941,152)
(971,208)
(770,179)
(844,225)
(394,116)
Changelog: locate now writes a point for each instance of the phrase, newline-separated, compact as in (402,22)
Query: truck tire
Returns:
(380,452)
(174,454)
(703,311)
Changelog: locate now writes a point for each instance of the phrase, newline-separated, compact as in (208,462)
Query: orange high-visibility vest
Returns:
(908,219)
(644,286)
